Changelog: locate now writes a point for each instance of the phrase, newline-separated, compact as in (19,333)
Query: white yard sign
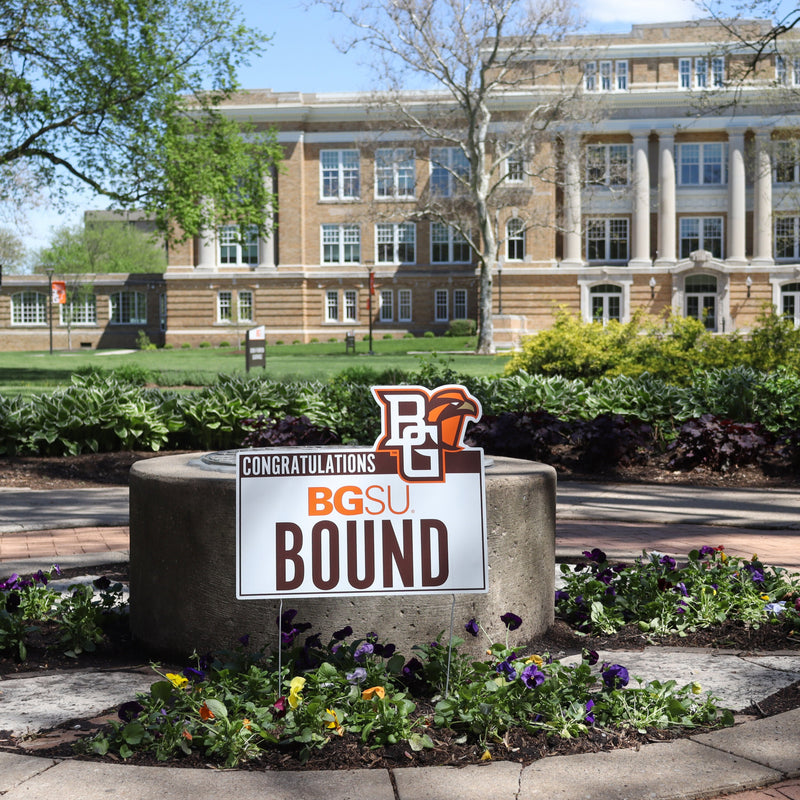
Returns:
(405,517)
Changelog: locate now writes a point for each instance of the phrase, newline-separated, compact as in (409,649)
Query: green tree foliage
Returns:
(12,251)
(102,248)
(123,97)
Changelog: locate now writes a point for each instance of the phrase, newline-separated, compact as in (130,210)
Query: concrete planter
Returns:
(183,566)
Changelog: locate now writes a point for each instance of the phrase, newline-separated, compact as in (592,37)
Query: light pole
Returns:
(369,305)
(49,272)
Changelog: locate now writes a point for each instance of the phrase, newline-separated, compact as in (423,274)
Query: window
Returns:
(404,305)
(685,73)
(781,71)
(701,233)
(29,308)
(701,73)
(606,300)
(387,306)
(341,244)
(702,164)
(622,76)
(449,170)
(607,239)
(515,169)
(717,72)
(128,308)
(459,303)
(394,172)
(612,76)
(332,306)
(350,305)
(590,76)
(224,309)
(80,310)
(787,162)
(245,306)
(440,305)
(340,174)
(396,243)
(515,240)
(787,237)
(448,246)
(701,299)
(608,164)
(235,249)
(790,302)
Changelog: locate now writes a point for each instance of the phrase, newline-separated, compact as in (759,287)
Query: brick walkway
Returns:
(59,543)
(786,790)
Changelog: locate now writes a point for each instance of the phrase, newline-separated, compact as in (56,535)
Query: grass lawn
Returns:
(24,373)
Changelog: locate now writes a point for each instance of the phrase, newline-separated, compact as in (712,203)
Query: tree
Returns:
(123,97)
(12,251)
(102,248)
(482,56)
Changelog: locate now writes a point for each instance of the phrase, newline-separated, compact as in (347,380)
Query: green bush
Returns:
(462,327)
(204,344)
(186,346)
(224,344)
(429,335)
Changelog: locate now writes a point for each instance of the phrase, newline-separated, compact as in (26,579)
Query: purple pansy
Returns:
(532,676)
(511,621)
(472,628)
(615,676)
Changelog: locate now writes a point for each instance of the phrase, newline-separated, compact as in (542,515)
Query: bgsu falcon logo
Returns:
(420,427)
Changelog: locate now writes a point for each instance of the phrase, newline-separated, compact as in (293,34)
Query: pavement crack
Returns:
(394,784)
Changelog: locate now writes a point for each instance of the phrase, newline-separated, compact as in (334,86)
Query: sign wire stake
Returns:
(449,649)
(280,649)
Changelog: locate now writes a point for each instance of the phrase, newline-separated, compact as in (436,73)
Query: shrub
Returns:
(408,335)
(610,440)
(204,344)
(279,342)
(186,346)
(462,327)
(387,336)
(143,341)
(719,444)
(287,432)
(429,335)
(519,434)
(223,343)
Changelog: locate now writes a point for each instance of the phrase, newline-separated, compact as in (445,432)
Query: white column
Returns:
(641,203)
(736,199)
(666,200)
(762,202)
(206,250)
(572,202)
(266,244)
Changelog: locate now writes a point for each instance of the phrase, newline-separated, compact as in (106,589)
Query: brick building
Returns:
(680,191)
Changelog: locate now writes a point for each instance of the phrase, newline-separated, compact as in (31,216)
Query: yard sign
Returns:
(405,517)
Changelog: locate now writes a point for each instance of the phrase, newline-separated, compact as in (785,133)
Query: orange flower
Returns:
(187,735)
(246,723)
(206,713)
(373,691)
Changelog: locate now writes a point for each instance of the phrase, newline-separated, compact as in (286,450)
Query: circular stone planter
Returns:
(183,566)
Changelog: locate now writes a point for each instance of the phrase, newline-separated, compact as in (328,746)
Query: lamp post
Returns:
(369,306)
(49,272)
(500,287)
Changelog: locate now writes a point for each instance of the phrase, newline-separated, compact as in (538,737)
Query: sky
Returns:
(302,57)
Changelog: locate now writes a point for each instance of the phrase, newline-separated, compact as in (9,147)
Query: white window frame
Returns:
(132,302)
(717,72)
(82,308)
(702,235)
(350,305)
(702,297)
(395,173)
(386,310)
(781,70)
(590,76)
(405,309)
(606,73)
(450,170)
(345,238)
(786,161)
(244,301)
(685,73)
(515,239)
(398,237)
(29,307)
(607,230)
(340,174)
(332,305)
(453,241)
(460,304)
(225,306)
(514,167)
(606,292)
(791,291)
(786,222)
(701,73)
(441,305)
(234,249)
(621,76)
(609,158)
(704,161)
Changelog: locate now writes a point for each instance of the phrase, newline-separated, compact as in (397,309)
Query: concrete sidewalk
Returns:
(89,526)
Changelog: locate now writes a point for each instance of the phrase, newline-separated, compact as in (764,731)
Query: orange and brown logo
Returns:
(420,427)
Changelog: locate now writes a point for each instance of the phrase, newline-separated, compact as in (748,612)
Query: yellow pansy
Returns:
(334,723)
(696,687)
(177,681)
(373,691)
(765,597)
(534,659)
(295,687)
(487,756)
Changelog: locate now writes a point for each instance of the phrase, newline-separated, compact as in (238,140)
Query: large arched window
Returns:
(606,303)
(790,302)
(29,308)
(515,240)
(701,299)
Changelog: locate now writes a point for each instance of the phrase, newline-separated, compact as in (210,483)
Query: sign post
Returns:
(405,517)
(256,348)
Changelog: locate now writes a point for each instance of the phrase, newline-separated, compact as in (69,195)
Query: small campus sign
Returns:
(256,348)
(407,516)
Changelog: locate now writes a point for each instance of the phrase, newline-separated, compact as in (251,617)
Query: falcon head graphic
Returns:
(449,408)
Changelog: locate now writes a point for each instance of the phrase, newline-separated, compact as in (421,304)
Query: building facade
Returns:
(679,192)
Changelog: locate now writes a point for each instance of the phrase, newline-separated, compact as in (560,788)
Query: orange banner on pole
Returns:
(59,292)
